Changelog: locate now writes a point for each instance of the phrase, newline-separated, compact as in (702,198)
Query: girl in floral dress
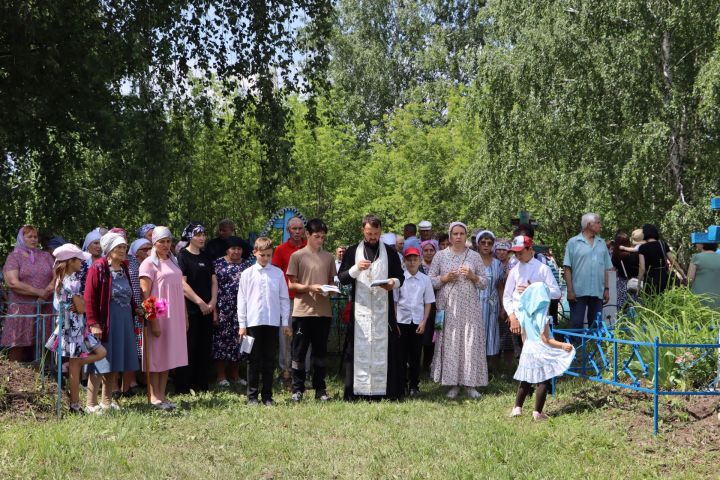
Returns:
(75,342)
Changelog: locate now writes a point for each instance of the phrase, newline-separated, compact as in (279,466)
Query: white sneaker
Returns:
(453,392)
(471,392)
(95,410)
(112,406)
(223,383)
(540,417)
(516,412)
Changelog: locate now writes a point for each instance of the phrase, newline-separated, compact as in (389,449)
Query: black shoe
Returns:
(253,401)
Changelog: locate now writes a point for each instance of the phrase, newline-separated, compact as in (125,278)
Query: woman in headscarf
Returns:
(501,251)
(93,251)
(146,231)
(200,287)
(28,273)
(459,360)
(138,251)
(110,311)
(490,296)
(226,343)
(166,346)
(428,248)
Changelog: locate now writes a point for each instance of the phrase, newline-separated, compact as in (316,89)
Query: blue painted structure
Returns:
(598,359)
(280,219)
(713,233)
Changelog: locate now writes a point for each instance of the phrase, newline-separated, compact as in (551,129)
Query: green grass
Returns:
(217,436)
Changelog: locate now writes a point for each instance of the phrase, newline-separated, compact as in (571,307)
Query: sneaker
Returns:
(112,406)
(453,392)
(297,397)
(161,406)
(471,392)
(540,417)
(75,408)
(252,401)
(269,403)
(322,396)
(223,383)
(95,409)
(516,412)
(239,381)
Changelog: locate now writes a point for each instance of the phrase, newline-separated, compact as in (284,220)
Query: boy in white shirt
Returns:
(413,302)
(263,307)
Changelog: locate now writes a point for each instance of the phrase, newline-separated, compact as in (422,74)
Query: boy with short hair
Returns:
(309,269)
(413,301)
(263,307)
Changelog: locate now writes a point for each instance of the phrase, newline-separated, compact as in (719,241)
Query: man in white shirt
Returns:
(263,305)
(413,301)
(526,271)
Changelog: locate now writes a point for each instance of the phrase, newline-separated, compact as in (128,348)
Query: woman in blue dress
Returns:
(226,343)
(490,296)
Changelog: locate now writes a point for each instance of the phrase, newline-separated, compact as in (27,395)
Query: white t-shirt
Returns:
(525,274)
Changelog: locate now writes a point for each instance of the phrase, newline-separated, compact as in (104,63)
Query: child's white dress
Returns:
(538,362)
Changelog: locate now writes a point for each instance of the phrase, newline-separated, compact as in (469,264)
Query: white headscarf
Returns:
(111,240)
(137,245)
(159,233)
(90,238)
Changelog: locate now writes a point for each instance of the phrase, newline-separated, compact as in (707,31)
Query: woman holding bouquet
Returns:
(166,346)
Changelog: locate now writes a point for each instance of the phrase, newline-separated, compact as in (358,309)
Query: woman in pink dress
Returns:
(166,343)
(29,274)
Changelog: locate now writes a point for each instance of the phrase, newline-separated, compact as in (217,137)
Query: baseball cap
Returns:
(521,242)
(411,251)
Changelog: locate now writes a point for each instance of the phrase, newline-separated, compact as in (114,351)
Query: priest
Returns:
(371,356)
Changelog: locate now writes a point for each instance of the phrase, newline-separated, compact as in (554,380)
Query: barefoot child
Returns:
(76,342)
(528,290)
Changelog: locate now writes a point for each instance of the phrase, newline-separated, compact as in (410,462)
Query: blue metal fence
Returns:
(604,358)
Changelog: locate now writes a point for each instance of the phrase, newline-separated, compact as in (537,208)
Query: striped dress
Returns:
(490,302)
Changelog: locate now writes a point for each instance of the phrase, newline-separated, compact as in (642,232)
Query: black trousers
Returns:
(309,331)
(411,346)
(199,347)
(262,360)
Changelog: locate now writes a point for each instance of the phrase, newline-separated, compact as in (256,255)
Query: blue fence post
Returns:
(615,354)
(58,403)
(38,333)
(656,355)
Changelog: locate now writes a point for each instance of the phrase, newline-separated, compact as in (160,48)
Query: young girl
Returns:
(542,356)
(75,342)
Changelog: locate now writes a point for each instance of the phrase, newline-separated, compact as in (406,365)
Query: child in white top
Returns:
(263,307)
(413,302)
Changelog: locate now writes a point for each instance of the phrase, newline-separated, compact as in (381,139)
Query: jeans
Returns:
(262,360)
(307,332)
(593,306)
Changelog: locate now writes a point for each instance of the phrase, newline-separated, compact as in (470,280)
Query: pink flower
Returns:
(161,307)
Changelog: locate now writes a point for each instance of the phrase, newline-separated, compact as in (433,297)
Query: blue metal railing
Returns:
(592,363)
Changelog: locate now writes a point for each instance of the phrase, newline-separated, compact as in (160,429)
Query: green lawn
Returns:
(217,436)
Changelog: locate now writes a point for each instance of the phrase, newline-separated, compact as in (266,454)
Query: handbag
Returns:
(633,284)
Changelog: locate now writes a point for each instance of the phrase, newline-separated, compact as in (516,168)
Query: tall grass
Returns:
(676,316)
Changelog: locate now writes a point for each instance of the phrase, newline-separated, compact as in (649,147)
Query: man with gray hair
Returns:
(586,263)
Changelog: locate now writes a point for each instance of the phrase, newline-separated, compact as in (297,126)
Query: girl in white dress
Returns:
(543,357)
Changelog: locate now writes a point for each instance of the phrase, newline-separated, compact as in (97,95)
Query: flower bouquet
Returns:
(155,308)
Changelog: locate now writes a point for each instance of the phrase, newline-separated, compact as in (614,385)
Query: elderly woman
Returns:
(201,288)
(501,251)
(166,347)
(93,251)
(146,231)
(704,274)
(110,310)
(226,343)
(429,249)
(490,296)
(29,275)
(459,360)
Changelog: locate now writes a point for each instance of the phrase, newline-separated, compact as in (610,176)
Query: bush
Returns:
(680,317)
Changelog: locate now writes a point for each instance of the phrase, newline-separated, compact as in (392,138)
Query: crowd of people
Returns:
(456,302)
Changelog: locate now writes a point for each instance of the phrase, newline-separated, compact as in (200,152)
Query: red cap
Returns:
(521,242)
(411,251)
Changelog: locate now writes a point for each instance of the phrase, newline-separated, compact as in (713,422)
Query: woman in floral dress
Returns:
(459,360)
(226,343)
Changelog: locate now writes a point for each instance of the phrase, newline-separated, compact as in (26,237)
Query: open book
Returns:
(330,288)
(377,283)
